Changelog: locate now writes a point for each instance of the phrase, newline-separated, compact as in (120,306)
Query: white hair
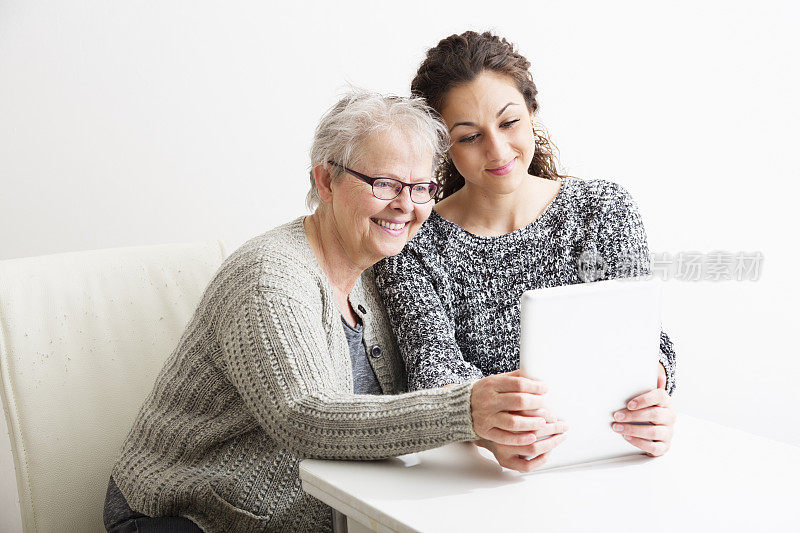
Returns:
(358,115)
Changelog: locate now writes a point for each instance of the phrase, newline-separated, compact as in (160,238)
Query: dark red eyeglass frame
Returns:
(433,187)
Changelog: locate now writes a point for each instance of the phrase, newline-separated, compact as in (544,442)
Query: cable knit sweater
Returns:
(262,378)
(453,297)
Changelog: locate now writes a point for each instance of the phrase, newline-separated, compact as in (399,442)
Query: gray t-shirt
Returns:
(364,379)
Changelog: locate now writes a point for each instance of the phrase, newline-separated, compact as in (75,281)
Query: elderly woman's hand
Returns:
(654,408)
(531,456)
(496,403)
(508,415)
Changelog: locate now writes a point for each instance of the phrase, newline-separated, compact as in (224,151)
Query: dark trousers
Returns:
(168,524)
(118,517)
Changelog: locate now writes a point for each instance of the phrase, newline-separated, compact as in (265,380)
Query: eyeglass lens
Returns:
(389,189)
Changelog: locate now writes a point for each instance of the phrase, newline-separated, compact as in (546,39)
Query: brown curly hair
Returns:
(460,59)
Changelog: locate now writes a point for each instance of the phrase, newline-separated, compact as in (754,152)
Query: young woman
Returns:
(507,222)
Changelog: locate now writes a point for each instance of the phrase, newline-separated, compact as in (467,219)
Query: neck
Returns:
(341,269)
(491,214)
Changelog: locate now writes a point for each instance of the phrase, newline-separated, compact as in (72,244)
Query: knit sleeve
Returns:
(275,353)
(425,332)
(622,248)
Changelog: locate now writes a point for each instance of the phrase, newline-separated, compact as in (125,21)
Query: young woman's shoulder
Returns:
(597,196)
(428,250)
(596,190)
(433,236)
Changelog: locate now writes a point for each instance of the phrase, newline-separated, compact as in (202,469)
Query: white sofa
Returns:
(82,337)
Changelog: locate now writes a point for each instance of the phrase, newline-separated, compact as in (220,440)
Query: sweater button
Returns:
(361,308)
(376,351)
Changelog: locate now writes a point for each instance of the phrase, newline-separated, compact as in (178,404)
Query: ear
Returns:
(324,180)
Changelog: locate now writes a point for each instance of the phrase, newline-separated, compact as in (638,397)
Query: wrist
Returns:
(483,443)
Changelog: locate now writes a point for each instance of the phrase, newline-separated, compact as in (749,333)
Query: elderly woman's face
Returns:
(370,228)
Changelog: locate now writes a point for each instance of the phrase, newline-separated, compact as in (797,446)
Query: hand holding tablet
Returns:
(647,421)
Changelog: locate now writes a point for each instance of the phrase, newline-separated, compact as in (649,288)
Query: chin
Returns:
(506,187)
(389,251)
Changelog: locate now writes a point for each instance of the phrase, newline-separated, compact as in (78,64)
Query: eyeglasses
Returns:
(390,188)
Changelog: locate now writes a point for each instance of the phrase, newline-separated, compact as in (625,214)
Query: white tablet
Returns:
(596,346)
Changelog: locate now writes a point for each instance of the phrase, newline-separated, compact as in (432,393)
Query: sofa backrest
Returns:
(82,337)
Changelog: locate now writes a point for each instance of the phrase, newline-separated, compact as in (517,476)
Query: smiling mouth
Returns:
(394,226)
(505,169)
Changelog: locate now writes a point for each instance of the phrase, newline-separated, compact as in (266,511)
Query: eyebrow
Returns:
(473,124)
(377,174)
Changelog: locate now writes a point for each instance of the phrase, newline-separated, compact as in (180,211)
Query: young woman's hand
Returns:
(506,408)
(653,407)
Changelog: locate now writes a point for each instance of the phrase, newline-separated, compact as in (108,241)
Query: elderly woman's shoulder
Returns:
(279,260)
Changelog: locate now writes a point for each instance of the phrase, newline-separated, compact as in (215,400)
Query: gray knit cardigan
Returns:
(261,379)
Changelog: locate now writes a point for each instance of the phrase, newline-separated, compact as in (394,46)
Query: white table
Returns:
(714,478)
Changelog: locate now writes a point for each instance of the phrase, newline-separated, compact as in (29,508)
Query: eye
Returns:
(469,139)
(384,184)
(509,123)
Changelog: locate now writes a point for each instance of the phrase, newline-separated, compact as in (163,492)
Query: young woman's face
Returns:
(492,133)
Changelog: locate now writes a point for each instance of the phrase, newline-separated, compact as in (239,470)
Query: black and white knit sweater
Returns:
(453,297)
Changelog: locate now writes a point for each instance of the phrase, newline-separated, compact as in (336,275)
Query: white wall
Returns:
(128,123)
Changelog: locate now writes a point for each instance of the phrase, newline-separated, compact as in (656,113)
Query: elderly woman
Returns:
(290,354)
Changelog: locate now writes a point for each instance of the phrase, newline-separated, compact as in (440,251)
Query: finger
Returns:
(543,413)
(649,399)
(518,459)
(516,423)
(542,446)
(522,464)
(507,383)
(649,432)
(510,438)
(653,449)
(655,415)
(533,464)
(661,382)
(552,429)
(517,401)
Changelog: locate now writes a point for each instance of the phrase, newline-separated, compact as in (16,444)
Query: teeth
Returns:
(390,225)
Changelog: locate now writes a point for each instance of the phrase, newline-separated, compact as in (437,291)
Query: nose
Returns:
(495,146)
(403,201)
